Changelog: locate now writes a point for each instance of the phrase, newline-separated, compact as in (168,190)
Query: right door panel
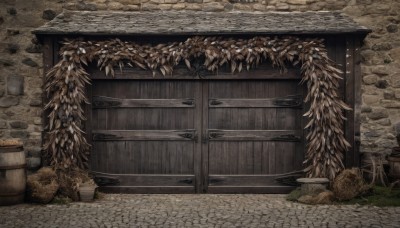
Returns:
(254,136)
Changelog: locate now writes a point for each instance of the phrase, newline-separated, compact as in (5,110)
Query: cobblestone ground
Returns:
(196,211)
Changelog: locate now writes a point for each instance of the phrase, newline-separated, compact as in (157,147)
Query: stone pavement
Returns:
(196,211)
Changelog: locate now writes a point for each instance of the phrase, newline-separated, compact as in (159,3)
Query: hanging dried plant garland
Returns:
(65,83)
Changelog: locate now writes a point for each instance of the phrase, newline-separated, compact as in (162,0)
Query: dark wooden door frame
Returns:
(346,53)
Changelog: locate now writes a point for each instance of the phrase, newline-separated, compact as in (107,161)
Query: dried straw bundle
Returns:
(65,83)
(70,179)
(42,186)
(349,184)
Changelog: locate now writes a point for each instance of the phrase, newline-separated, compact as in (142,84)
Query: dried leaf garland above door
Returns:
(65,85)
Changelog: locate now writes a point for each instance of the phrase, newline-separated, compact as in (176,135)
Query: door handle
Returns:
(215,102)
(188,102)
(289,101)
(214,135)
(189,135)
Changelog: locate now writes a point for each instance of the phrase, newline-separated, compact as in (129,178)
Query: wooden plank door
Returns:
(253,138)
(144,135)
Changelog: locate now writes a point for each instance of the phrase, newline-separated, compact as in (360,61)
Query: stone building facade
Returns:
(21,70)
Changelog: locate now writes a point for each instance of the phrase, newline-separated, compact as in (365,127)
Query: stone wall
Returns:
(21,71)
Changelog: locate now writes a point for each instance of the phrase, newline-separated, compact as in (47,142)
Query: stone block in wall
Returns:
(179,6)
(193,6)
(86,6)
(35,102)
(19,134)
(242,1)
(380,70)
(384,46)
(129,2)
(317,6)
(18,124)
(8,101)
(132,8)
(372,134)
(164,6)
(395,54)
(213,7)
(368,56)
(171,1)
(34,48)
(12,32)
(378,113)
(389,95)
(242,7)
(384,122)
(395,80)
(377,8)
(397,96)
(6,62)
(15,85)
(259,7)
(49,14)
(3,124)
(70,6)
(282,6)
(390,104)
(157,1)
(12,48)
(297,2)
(33,163)
(35,135)
(194,1)
(37,120)
(370,79)
(149,6)
(29,62)
(34,151)
(366,109)
(32,142)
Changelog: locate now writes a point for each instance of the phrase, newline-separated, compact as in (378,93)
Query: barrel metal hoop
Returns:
(7,167)
(12,194)
(10,149)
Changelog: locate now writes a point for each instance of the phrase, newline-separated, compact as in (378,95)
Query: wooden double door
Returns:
(196,136)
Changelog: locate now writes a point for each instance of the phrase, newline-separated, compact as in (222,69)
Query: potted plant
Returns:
(87,190)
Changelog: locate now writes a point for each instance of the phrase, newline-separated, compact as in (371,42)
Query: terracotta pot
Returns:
(86,193)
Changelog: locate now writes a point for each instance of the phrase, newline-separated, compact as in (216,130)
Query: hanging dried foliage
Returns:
(65,83)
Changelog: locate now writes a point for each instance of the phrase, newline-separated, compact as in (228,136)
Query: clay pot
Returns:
(86,193)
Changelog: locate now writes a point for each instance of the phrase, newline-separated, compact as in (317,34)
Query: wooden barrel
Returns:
(12,175)
(394,164)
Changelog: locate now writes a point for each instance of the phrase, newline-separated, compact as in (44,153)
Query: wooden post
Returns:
(48,63)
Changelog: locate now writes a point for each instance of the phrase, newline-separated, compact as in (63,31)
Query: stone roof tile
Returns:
(199,23)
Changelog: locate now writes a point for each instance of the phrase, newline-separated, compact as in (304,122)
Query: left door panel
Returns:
(144,135)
